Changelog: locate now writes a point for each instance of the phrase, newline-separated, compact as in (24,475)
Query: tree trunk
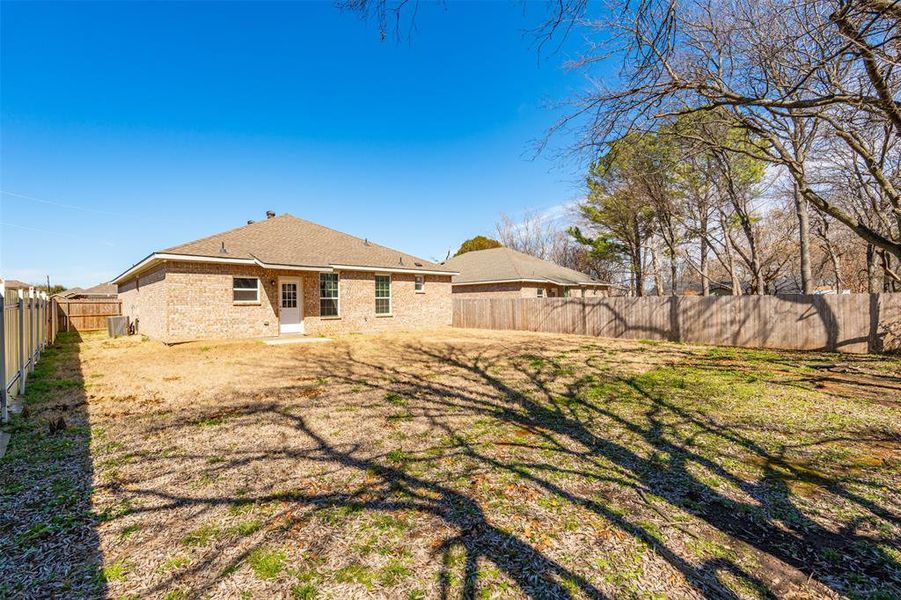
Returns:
(801,209)
(635,250)
(674,273)
(892,281)
(637,272)
(730,259)
(872,271)
(655,268)
(756,270)
(705,279)
(836,270)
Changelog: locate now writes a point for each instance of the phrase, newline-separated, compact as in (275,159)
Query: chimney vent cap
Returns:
(270,214)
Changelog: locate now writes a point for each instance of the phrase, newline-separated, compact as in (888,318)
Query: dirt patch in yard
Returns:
(454,463)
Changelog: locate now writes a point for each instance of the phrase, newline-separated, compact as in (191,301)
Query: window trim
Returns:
(337,297)
(235,289)
(416,280)
(540,292)
(390,312)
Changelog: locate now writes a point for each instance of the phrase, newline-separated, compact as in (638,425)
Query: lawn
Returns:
(452,464)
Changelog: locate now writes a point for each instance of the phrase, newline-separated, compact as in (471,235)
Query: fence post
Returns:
(21,307)
(40,327)
(54,319)
(43,321)
(39,311)
(31,330)
(4,400)
(44,327)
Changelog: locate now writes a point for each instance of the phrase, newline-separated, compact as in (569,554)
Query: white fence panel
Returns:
(26,329)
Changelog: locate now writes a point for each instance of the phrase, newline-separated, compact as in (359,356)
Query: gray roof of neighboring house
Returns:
(288,241)
(101,289)
(504,264)
(70,292)
(16,284)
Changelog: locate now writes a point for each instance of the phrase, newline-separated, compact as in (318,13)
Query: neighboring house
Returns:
(506,273)
(279,276)
(11,288)
(100,291)
(696,288)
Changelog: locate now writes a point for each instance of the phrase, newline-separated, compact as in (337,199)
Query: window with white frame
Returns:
(245,290)
(419,286)
(383,294)
(328,294)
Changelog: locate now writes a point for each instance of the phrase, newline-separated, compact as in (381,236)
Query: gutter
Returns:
(157,257)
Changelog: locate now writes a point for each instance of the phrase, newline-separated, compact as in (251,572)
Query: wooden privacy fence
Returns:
(846,323)
(26,328)
(86,315)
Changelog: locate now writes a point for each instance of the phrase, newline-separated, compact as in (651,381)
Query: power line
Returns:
(55,233)
(64,205)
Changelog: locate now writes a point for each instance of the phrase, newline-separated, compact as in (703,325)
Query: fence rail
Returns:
(844,323)
(86,315)
(26,328)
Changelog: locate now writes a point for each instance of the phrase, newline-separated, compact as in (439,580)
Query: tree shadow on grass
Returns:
(620,447)
(49,545)
(798,550)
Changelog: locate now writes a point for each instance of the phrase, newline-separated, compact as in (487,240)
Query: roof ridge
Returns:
(509,256)
(363,240)
(250,240)
(536,259)
(232,230)
(515,265)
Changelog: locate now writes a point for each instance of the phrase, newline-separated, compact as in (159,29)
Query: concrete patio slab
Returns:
(300,339)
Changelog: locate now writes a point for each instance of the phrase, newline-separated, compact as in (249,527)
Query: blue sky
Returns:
(127,127)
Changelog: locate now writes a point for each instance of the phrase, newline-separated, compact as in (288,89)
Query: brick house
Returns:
(506,273)
(279,276)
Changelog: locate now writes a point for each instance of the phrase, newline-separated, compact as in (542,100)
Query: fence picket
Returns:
(25,332)
(844,323)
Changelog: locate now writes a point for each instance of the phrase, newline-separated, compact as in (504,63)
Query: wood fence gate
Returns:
(85,315)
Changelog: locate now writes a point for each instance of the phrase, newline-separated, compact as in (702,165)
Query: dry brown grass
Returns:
(457,463)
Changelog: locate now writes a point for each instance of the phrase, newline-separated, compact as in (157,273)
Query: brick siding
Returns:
(519,290)
(189,301)
(144,299)
(489,290)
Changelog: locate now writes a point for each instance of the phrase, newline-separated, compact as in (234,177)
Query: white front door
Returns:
(290,305)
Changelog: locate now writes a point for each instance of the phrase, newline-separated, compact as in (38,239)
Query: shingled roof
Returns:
(98,291)
(16,284)
(504,264)
(286,241)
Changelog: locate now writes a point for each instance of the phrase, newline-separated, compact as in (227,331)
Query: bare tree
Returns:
(533,234)
(828,63)
(812,85)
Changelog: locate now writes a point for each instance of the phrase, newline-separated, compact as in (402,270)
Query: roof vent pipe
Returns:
(250,221)
(222,249)
(270,214)
(365,241)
